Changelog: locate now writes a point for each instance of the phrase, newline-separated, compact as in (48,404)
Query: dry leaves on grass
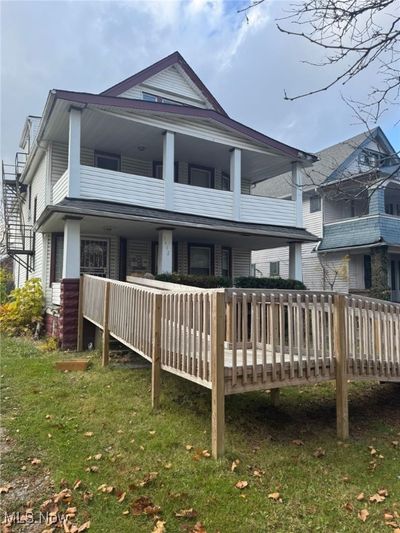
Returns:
(5,488)
(319,452)
(159,527)
(360,497)
(144,505)
(235,464)
(36,461)
(88,434)
(363,515)
(275,496)
(198,528)
(298,442)
(241,484)
(186,513)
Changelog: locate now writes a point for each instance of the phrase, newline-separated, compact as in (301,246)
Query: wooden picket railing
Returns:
(235,340)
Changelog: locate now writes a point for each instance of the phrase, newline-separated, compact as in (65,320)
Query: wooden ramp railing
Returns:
(233,340)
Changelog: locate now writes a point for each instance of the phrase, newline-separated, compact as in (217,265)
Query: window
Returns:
(226,267)
(201,176)
(157,170)
(370,158)
(148,97)
(201,259)
(154,258)
(315,203)
(226,182)
(107,161)
(94,257)
(34,209)
(274,268)
(367,272)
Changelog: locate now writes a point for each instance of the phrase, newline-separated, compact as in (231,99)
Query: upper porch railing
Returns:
(102,184)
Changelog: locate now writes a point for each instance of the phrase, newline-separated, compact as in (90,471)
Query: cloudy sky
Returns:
(89,46)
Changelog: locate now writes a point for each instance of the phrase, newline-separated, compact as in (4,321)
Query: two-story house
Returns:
(351,200)
(151,175)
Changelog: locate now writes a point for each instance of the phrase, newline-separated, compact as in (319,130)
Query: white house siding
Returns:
(59,161)
(169,83)
(312,271)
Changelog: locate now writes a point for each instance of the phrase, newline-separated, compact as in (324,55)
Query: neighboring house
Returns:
(351,200)
(151,175)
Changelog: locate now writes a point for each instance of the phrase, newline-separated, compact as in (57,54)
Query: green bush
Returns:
(251,282)
(204,282)
(6,284)
(22,313)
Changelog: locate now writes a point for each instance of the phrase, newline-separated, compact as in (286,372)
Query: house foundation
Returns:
(68,321)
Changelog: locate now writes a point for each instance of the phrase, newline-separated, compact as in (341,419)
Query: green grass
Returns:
(114,404)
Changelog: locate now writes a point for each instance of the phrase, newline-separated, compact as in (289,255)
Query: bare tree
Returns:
(356,35)
(334,271)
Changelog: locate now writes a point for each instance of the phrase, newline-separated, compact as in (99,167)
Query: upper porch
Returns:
(167,157)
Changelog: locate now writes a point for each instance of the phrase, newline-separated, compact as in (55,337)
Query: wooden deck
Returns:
(233,341)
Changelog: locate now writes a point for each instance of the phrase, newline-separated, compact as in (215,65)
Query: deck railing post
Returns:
(340,343)
(106,331)
(228,335)
(79,340)
(217,374)
(156,353)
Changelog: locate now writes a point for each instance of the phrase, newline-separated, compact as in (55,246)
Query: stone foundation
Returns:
(69,313)
(52,324)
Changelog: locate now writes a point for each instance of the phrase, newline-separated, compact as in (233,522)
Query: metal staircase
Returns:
(18,238)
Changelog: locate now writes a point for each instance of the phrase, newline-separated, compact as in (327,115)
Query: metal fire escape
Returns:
(18,237)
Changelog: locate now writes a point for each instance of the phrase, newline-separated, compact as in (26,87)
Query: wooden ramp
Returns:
(234,340)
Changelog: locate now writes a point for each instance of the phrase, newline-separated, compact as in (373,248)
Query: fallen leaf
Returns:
(186,513)
(87,496)
(349,507)
(189,447)
(140,504)
(168,466)
(148,478)
(125,512)
(35,461)
(89,434)
(92,468)
(319,452)
(206,453)
(395,443)
(98,456)
(235,464)
(159,527)
(199,528)
(84,527)
(298,442)
(152,432)
(383,492)
(360,497)
(152,510)
(122,497)
(388,516)
(77,484)
(377,498)
(275,496)
(363,515)
(241,485)
(5,489)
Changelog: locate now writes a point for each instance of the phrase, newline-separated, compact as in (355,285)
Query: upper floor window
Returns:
(107,161)
(315,203)
(149,97)
(225,182)
(371,158)
(201,176)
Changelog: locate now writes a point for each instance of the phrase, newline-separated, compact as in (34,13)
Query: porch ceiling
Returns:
(121,131)
(142,224)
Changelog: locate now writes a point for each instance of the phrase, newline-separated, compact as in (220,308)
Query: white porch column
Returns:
(74,152)
(295,262)
(72,248)
(165,251)
(236,180)
(168,168)
(295,258)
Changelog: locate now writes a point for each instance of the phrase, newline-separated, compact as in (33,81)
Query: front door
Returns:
(95,257)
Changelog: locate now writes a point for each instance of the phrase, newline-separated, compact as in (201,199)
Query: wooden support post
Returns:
(156,353)
(218,374)
(340,344)
(79,341)
(228,336)
(106,332)
(276,397)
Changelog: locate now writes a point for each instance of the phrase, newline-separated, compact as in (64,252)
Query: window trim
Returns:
(107,155)
(192,166)
(316,196)
(54,237)
(159,163)
(226,176)
(212,256)
(229,250)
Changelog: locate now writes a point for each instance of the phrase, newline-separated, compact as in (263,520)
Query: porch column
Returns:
(72,248)
(168,168)
(74,152)
(236,180)
(165,250)
(295,262)
(295,259)
(377,201)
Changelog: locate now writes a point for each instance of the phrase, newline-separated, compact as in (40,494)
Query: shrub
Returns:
(22,313)
(251,282)
(204,282)
(49,345)
(6,284)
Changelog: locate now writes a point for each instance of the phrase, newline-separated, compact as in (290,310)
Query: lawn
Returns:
(97,427)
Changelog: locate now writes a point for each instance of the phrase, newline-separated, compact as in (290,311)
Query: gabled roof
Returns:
(173,59)
(332,161)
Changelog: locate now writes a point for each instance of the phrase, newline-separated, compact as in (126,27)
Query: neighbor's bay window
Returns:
(201,259)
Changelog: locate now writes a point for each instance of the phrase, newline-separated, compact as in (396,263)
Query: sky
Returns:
(247,65)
